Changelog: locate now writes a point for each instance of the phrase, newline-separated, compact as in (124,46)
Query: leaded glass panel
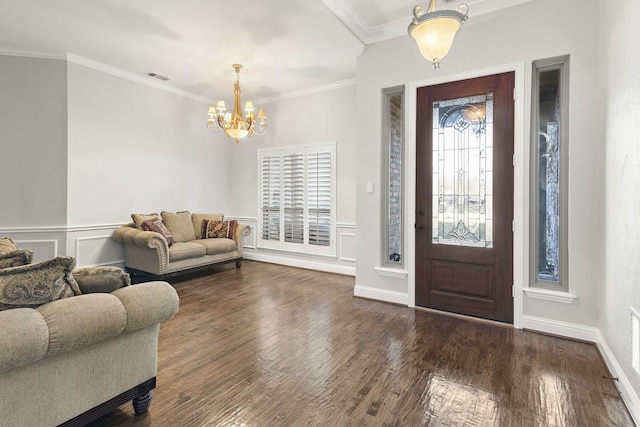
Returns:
(463,171)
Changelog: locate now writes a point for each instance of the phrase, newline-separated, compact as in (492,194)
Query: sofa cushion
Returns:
(100,279)
(218,245)
(198,218)
(36,284)
(215,229)
(185,250)
(180,225)
(156,225)
(138,219)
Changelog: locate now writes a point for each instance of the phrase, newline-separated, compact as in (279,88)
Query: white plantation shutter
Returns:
(270,197)
(297,186)
(319,186)
(294,198)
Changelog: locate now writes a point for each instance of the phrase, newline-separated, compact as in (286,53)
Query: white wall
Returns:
(520,34)
(620,288)
(136,148)
(321,117)
(33,142)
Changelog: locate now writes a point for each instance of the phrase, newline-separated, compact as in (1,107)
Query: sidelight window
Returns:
(393,152)
(549,139)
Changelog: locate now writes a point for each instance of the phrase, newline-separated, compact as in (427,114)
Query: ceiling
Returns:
(287,47)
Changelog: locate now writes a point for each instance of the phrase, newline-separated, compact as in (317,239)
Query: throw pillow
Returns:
(15,258)
(197,219)
(180,225)
(138,219)
(158,226)
(7,245)
(213,229)
(100,279)
(36,284)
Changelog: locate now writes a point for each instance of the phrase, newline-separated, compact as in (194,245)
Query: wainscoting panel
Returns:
(98,250)
(342,263)
(42,249)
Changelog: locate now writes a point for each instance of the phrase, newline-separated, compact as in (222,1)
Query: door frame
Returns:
(520,179)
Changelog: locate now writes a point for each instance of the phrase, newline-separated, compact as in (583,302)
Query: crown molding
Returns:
(29,53)
(307,91)
(108,69)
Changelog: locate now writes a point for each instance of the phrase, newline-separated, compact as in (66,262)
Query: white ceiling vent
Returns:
(156,76)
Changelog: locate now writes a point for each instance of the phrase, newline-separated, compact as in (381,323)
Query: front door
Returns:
(464,197)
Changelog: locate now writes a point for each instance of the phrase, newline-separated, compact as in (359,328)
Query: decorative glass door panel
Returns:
(463,171)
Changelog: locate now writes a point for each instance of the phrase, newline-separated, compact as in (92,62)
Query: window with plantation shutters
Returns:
(297,197)
(270,202)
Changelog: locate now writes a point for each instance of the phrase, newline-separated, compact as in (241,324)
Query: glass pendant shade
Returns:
(237,133)
(435,37)
(435,30)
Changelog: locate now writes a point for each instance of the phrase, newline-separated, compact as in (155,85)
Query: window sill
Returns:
(550,295)
(391,272)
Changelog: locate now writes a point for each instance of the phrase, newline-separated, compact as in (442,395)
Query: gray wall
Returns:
(33,142)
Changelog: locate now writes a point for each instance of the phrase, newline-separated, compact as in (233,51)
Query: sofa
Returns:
(163,245)
(76,343)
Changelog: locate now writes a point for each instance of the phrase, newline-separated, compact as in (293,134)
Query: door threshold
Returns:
(464,316)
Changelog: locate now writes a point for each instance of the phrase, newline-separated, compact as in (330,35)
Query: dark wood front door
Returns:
(464,197)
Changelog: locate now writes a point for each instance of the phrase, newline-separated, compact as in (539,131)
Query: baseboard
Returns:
(629,396)
(564,329)
(301,263)
(381,295)
(591,334)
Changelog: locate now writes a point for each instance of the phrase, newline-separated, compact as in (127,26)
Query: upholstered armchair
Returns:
(76,343)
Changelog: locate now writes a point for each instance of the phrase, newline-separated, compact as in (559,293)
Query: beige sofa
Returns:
(90,348)
(164,245)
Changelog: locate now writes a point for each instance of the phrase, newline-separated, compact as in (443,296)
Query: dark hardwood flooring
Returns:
(268,345)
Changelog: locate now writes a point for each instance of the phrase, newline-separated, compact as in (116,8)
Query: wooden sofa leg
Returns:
(142,401)
(238,263)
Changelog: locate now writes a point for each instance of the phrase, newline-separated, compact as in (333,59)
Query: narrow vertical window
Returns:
(549,139)
(393,152)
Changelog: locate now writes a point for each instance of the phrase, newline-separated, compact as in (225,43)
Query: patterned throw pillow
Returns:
(7,245)
(16,258)
(138,219)
(158,226)
(213,229)
(11,255)
(36,284)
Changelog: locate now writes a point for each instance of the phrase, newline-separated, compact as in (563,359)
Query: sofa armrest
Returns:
(242,231)
(146,240)
(68,324)
(129,235)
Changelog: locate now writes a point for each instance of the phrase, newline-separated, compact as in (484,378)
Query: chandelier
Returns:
(234,125)
(435,30)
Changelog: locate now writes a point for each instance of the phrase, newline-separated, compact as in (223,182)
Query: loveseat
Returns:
(164,245)
(76,343)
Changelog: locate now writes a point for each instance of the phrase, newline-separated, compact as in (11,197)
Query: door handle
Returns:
(420,226)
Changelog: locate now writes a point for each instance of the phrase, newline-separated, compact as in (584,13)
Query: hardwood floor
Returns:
(268,345)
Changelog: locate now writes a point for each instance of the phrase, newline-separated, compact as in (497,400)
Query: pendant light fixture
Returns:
(434,30)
